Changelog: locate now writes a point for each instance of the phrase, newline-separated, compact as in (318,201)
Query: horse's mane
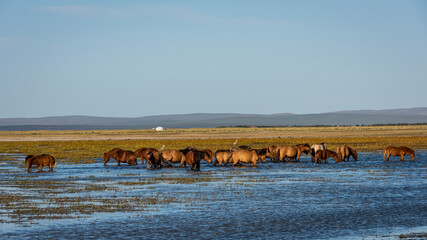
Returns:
(261,151)
(406,149)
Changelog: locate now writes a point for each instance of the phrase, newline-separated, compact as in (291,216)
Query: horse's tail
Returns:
(228,158)
(385,153)
(277,157)
(216,159)
(162,160)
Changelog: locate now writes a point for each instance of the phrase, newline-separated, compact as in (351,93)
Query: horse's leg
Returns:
(401,157)
(40,167)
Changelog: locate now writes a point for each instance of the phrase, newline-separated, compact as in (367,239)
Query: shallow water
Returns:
(350,200)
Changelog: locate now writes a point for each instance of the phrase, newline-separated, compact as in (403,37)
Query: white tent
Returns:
(159,128)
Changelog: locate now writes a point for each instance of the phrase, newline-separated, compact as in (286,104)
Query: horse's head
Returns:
(412,155)
(28,162)
(305,148)
(354,153)
(207,155)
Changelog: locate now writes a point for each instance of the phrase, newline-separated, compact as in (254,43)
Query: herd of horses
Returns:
(237,156)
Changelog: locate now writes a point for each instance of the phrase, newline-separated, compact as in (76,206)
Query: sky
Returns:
(142,58)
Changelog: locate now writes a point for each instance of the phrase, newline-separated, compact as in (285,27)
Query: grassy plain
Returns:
(84,146)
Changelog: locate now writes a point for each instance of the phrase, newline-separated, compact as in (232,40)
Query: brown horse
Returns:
(325,155)
(344,152)
(120,155)
(244,156)
(143,153)
(314,149)
(208,154)
(221,156)
(305,148)
(173,156)
(40,161)
(272,152)
(398,151)
(194,157)
(288,152)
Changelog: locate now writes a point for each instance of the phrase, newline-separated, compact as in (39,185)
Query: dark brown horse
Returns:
(344,152)
(120,155)
(40,161)
(325,155)
(262,153)
(398,151)
(154,159)
(194,157)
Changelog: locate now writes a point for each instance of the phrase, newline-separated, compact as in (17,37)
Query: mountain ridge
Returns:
(209,120)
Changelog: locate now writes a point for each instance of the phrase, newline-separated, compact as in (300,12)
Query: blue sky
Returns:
(140,58)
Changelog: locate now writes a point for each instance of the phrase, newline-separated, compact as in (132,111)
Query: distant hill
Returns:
(211,120)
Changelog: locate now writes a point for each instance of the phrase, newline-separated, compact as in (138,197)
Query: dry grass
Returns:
(84,146)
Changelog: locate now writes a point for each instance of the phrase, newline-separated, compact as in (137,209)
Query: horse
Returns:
(194,157)
(173,156)
(221,156)
(271,152)
(316,147)
(244,147)
(398,151)
(305,148)
(244,156)
(262,153)
(209,154)
(120,155)
(344,152)
(143,153)
(325,155)
(40,161)
(154,159)
(290,152)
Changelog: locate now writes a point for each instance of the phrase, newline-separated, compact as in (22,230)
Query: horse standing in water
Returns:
(314,149)
(344,153)
(221,156)
(40,161)
(120,155)
(143,153)
(325,155)
(244,156)
(398,151)
(194,157)
(173,156)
